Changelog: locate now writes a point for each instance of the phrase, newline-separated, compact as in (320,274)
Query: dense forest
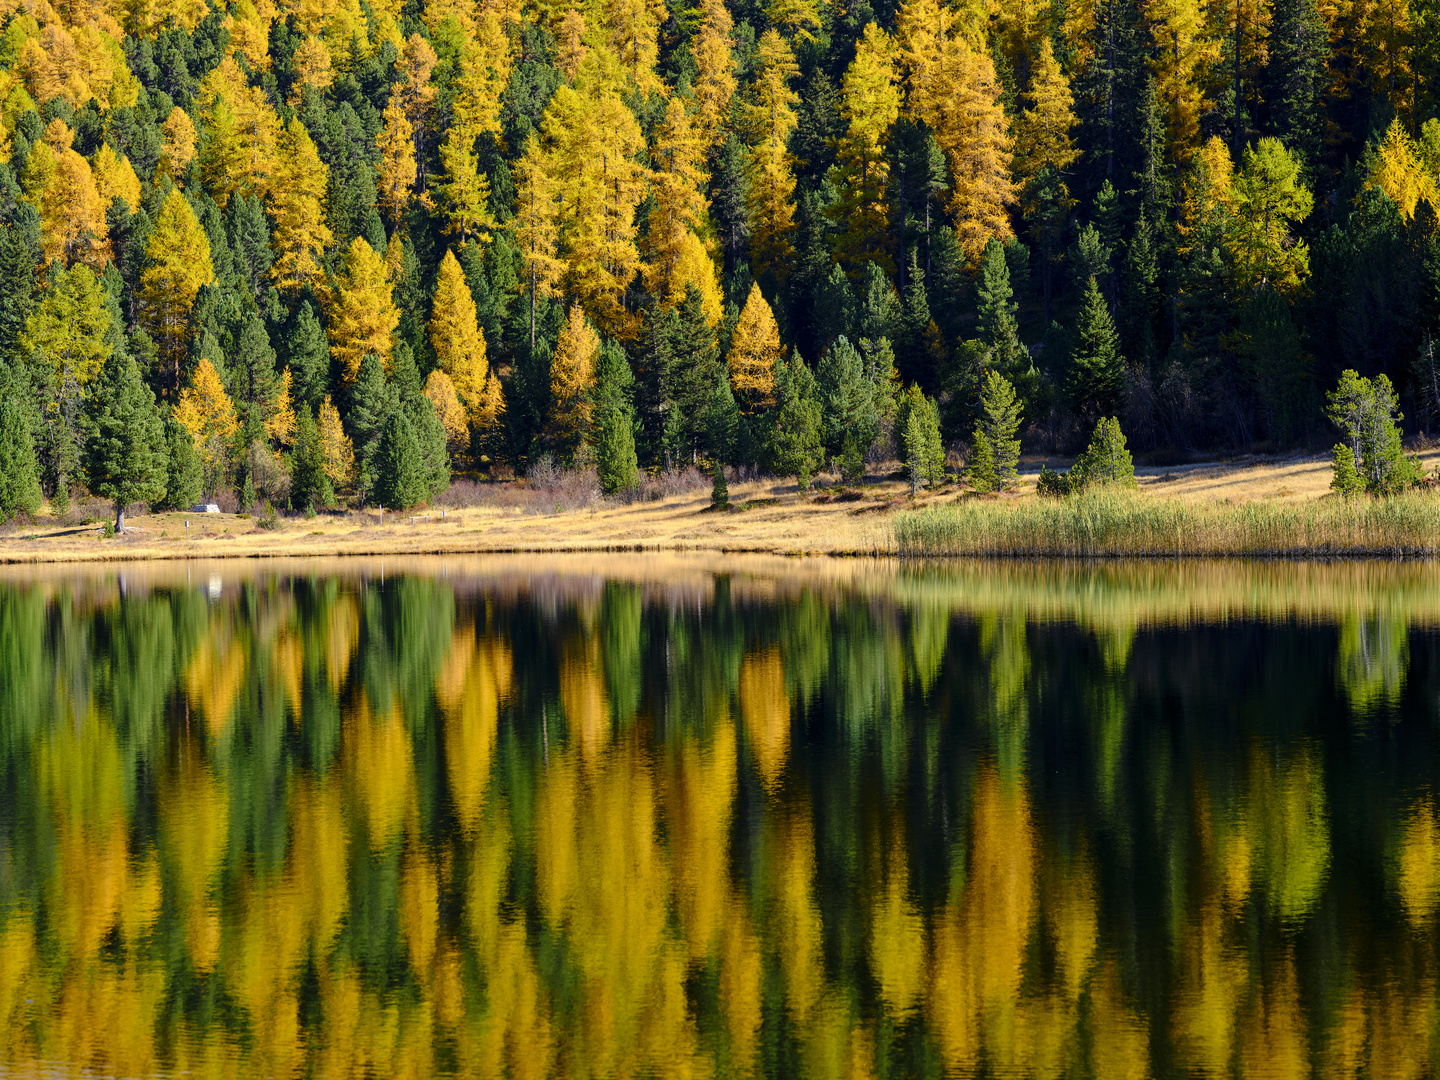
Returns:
(310,252)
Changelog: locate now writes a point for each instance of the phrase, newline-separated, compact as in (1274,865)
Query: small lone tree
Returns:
(924,451)
(996,447)
(1106,460)
(719,489)
(1372,459)
(1096,379)
(125,454)
(400,476)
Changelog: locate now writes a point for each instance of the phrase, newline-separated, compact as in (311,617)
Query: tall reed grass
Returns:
(1123,523)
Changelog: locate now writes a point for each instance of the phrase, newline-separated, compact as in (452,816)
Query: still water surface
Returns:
(669,817)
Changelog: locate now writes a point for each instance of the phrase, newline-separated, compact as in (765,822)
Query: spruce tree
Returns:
(254,380)
(185,471)
(722,423)
(924,452)
(308,356)
(719,489)
(399,473)
(125,457)
(847,400)
(834,308)
(19,474)
(1096,379)
(1105,460)
(796,435)
(372,403)
(310,486)
(614,422)
(996,431)
(996,316)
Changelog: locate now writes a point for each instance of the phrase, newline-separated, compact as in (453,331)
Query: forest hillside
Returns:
(318,252)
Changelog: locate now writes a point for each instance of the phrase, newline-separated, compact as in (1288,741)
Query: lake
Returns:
(636,815)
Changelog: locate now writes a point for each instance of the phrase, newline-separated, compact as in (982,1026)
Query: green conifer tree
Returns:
(847,400)
(310,486)
(924,453)
(399,472)
(614,421)
(722,423)
(185,472)
(1096,379)
(308,354)
(796,435)
(373,402)
(1105,460)
(19,475)
(995,435)
(125,456)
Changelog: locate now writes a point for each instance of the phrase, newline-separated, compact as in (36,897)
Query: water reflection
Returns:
(573,819)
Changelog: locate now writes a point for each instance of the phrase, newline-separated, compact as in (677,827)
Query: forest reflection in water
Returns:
(632,816)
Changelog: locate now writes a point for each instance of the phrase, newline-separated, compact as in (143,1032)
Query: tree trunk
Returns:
(119,517)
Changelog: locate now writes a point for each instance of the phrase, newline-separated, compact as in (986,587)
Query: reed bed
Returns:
(1128,524)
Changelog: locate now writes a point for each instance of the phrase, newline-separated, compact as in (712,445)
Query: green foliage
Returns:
(310,485)
(847,399)
(125,456)
(1053,484)
(723,423)
(996,446)
(1105,461)
(923,451)
(797,427)
(1096,379)
(1367,411)
(19,484)
(719,488)
(400,480)
(185,472)
(614,422)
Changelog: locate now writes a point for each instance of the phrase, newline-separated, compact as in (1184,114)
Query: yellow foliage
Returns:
(312,69)
(459,342)
(299,234)
(1395,167)
(441,392)
(280,419)
(1186,54)
(472,682)
(115,178)
(380,766)
(1418,864)
(572,373)
(205,410)
(396,143)
(714,83)
(769,118)
(177,266)
(765,710)
(871,102)
(679,208)
(241,150)
(339,453)
(754,348)
(363,317)
(59,183)
(180,138)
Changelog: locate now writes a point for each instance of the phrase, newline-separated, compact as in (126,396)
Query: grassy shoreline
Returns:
(1124,524)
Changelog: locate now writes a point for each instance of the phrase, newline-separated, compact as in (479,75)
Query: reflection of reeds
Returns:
(1110,523)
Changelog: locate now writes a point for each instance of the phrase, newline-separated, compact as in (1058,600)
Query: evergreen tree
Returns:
(996,433)
(184,472)
(372,403)
(879,314)
(19,478)
(847,400)
(431,441)
(125,456)
(614,422)
(923,452)
(722,424)
(1367,411)
(1096,379)
(255,384)
(996,323)
(719,489)
(308,357)
(399,473)
(1105,460)
(310,485)
(834,308)
(797,428)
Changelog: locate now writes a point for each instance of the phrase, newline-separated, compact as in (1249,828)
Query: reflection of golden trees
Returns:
(765,708)
(897,935)
(1372,659)
(582,694)
(1417,868)
(194,830)
(381,769)
(473,680)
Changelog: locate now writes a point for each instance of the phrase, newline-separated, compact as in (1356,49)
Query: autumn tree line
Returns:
(313,252)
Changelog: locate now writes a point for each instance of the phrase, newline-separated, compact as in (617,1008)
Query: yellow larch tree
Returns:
(754,348)
(179,143)
(570,44)
(464,193)
(312,67)
(205,410)
(249,26)
(244,133)
(1395,166)
(679,206)
(338,451)
(59,183)
(799,19)
(1244,25)
(1184,56)
(870,103)
(1207,196)
(769,118)
(114,177)
(714,82)
(922,29)
(145,17)
(441,391)
(591,139)
(633,27)
(363,317)
(484,74)
(177,266)
(459,343)
(417,63)
(536,224)
(398,170)
(572,374)
(1042,130)
(971,129)
(298,234)
(280,415)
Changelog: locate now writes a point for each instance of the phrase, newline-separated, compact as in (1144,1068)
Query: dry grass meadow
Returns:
(766,516)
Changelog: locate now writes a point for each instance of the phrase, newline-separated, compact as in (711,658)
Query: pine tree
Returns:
(399,477)
(797,433)
(308,356)
(255,384)
(125,455)
(310,486)
(1105,460)
(922,450)
(362,310)
(614,422)
(996,431)
(1373,458)
(300,235)
(572,379)
(1096,379)
(719,489)
(373,401)
(1297,78)
(430,440)
(184,472)
(997,326)
(871,104)
(19,479)
(847,400)
(177,267)
(722,423)
(834,307)
(754,348)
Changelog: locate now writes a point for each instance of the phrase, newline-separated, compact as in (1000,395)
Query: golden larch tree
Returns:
(754,348)
(1184,56)
(398,170)
(769,119)
(177,266)
(1395,166)
(457,339)
(464,193)
(536,224)
(60,185)
(679,205)
(298,234)
(179,137)
(972,132)
(205,410)
(714,83)
(633,27)
(570,44)
(115,177)
(240,153)
(441,391)
(572,375)
(870,104)
(338,451)
(363,317)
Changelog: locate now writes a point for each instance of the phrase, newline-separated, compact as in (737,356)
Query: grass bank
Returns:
(1134,524)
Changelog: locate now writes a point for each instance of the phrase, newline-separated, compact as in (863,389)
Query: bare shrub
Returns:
(543,473)
(227,500)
